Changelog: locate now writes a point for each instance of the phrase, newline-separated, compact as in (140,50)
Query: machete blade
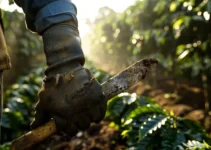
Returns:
(127,78)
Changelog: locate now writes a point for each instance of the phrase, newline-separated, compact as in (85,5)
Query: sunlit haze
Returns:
(87,9)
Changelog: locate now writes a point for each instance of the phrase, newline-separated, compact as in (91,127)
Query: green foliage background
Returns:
(176,32)
(148,127)
(24,47)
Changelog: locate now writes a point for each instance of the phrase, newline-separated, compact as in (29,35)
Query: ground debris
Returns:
(97,137)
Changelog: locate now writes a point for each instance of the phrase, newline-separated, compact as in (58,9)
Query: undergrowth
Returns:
(146,126)
(143,124)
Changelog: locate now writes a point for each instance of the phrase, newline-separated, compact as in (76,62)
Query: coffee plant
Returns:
(140,120)
(146,126)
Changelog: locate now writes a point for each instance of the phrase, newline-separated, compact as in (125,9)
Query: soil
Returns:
(97,137)
(188,102)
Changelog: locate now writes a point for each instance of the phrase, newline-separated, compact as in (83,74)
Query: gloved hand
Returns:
(70,94)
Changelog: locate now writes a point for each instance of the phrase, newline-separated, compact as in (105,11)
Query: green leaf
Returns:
(178,23)
(149,109)
(160,6)
(173,6)
(184,20)
(125,133)
(180,49)
(150,142)
(183,54)
(116,105)
(5,146)
(191,145)
(209,7)
(206,145)
(152,125)
(198,18)
(172,139)
(187,124)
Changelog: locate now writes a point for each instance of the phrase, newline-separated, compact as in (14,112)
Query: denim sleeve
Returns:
(41,14)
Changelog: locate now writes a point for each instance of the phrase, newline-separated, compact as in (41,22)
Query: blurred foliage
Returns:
(176,32)
(5,146)
(146,126)
(99,74)
(28,43)
(25,47)
(18,109)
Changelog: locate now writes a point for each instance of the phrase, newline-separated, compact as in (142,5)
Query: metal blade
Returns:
(127,78)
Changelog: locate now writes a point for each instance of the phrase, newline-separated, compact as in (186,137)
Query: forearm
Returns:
(42,14)
(56,21)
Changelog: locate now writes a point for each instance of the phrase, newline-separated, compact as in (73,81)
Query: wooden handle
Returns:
(28,140)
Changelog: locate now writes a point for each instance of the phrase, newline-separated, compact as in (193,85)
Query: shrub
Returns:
(148,127)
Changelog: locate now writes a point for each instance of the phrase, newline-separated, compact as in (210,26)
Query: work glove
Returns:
(70,94)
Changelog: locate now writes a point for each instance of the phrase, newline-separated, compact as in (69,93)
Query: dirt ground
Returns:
(189,102)
(186,101)
(97,137)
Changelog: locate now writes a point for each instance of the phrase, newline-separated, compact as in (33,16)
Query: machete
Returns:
(111,88)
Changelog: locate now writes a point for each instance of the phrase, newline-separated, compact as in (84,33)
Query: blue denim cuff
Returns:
(53,13)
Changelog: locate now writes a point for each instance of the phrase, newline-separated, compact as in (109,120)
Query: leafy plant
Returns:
(194,145)
(175,32)
(5,146)
(147,126)
(18,109)
(142,122)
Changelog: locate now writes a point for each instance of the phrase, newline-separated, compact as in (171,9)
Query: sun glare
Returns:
(4,4)
(89,10)
(86,9)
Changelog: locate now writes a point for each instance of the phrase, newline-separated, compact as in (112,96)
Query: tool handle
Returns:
(34,137)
